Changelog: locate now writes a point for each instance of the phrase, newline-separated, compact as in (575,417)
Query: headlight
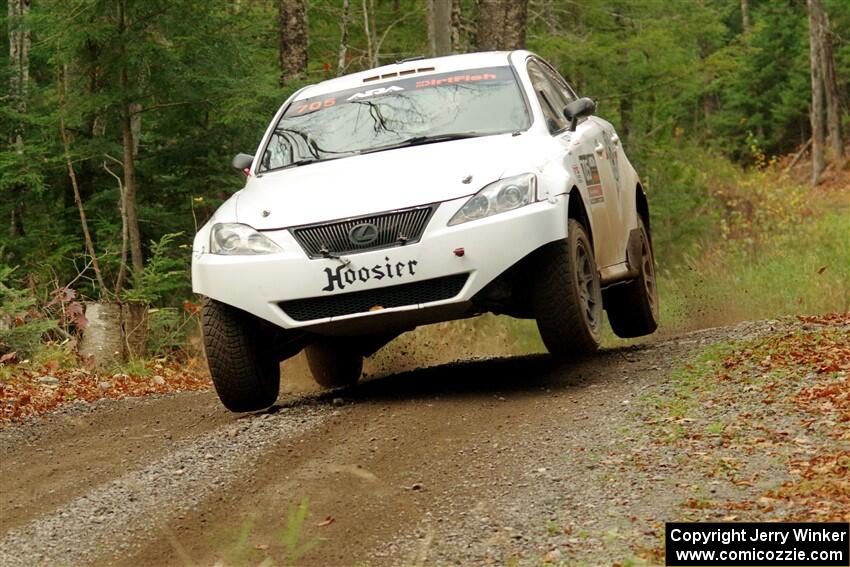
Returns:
(231,238)
(498,197)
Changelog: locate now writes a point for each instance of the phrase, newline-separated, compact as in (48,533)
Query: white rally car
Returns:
(422,191)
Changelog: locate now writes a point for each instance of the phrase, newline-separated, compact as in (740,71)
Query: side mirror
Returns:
(577,109)
(242,162)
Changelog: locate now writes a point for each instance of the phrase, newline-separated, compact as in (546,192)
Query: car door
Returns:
(615,190)
(585,157)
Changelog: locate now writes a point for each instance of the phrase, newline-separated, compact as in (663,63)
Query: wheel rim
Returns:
(587,286)
(649,276)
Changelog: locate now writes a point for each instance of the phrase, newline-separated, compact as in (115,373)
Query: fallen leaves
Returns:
(818,357)
(783,398)
(826,319)
(822,491)
(26,393)
(695,504)
(820,350)
(832,398)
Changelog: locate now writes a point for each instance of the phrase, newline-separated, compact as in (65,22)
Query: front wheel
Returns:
(566,298)
(333,363)
(633,307)
(243,365)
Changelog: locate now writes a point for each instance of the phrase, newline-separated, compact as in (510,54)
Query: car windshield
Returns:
(409,111)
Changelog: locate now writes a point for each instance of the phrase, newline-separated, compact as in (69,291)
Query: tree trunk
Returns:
(102,338)
(136,126)
(130,190)
(129,161)
(745,16)
(16,222)
(20,40)
(343,37)
(369,30)
(116,332)
(457,25)
(489,25)
(432,31)
(501,24)
(121,277)
(516,15)
(292,33)
(816,113)
(831,91)
(440,26)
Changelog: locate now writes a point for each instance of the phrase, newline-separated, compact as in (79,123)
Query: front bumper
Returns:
(260,284)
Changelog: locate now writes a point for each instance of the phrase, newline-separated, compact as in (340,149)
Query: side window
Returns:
(551,101)
(564,91)
(278,153)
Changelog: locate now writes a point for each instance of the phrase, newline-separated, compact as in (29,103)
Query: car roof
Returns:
(408,67)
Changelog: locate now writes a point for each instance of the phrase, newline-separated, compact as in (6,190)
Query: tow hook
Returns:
(331,256)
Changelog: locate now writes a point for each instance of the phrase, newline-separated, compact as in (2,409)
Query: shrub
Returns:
(165,274)
(22,326)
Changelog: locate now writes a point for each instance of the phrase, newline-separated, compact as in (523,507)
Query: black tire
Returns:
(633,307)
(334,364)
(244,369)
(566,297)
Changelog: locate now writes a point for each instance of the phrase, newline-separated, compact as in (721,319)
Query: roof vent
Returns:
(398,74)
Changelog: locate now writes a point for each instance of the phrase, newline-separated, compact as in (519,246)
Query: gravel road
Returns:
(489,461)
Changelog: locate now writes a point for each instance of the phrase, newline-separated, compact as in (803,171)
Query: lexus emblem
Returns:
(363,234)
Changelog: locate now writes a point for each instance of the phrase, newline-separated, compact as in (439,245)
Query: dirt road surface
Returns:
(490,461)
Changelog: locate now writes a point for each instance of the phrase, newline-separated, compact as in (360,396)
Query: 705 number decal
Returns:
(315,105)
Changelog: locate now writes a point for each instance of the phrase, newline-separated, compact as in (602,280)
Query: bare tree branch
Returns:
(66,144)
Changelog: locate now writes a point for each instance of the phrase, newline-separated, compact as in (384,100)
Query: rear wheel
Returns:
(333,363)
(633,307)
(244,368)
(566,298)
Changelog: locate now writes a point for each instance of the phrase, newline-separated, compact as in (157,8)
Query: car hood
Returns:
(380,181)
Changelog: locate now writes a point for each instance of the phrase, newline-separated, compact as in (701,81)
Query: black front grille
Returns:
(394,228)
(362,301)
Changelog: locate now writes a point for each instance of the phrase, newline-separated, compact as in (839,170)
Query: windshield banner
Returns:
(367,92)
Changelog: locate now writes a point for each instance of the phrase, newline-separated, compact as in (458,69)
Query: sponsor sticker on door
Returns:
(591,177)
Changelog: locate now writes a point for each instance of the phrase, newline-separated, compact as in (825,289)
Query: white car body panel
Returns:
(445,174)
(375,182)
(257,283)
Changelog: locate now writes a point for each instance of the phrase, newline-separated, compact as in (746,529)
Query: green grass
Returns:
(7,372)
(288,545)
(799,271)
(134,367)
(45,358)
(51,353)
(689,382)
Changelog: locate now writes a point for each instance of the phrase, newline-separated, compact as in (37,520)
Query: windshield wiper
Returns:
(296,163)
(414,141)
(420,140)
(304,161)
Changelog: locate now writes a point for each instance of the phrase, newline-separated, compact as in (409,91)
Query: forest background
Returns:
(118,119)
